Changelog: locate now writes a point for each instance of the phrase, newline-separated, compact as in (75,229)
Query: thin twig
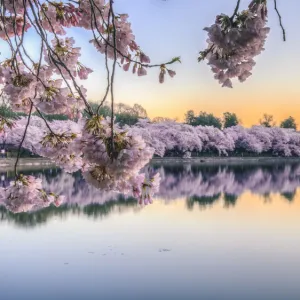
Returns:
(112,78)
(236,10)
(280,20)
(58,61)
(23,139)
(106,46)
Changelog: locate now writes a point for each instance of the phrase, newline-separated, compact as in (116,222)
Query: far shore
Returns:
(7,164)
(223,160)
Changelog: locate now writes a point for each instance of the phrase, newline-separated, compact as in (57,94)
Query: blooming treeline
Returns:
(144,140)
(195,184)
(178,139)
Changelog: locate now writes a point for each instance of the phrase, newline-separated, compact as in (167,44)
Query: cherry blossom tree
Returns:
(109,156)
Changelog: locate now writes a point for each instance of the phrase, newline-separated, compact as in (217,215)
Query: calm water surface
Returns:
(214,232)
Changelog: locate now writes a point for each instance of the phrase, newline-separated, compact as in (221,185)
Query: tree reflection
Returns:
(201,186)
(289,196)
(230,200)
(203,202)
(31,219)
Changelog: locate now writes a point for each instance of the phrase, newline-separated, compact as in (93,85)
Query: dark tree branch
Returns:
(280,20)
(112,78)
(23,139)
(236,10)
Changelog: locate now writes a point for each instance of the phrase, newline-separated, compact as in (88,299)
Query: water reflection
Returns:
(200,186)
(206,185)
(231,181)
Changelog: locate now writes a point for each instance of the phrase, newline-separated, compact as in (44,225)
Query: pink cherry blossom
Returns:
(142,71)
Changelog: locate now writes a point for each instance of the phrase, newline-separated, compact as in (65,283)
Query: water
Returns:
(214,232)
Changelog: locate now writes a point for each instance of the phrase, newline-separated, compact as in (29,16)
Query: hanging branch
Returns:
(57,60)
(23,139)
(236,10)
(280,20)
(112,78)
(106,46)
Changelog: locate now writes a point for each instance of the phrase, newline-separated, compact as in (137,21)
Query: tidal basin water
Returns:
(213,232)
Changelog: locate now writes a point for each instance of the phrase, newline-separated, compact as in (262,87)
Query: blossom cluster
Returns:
(233,42)
(112,35)
(11,26)
(4,125)
(114,164)
(23,89)
(26,194)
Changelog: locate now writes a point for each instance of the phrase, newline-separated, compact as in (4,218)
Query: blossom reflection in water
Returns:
(198,185)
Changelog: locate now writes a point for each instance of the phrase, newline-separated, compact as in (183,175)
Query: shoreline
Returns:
(7,164)
(225,160)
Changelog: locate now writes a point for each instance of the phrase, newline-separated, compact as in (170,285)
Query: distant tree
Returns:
(190,118)
(126,119)
(203,119)
(290,196)
(125,114)
(140,111)
(230,119)
(230,200)
(267,121)
(289,123)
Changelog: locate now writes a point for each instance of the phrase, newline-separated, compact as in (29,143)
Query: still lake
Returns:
(214,232)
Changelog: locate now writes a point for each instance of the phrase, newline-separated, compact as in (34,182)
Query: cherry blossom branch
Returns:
(112,78)
(43,118)
(106,58)
(128,58)
(108,82)
(39,30)
(236,10)
(170,62)
(23,139)
(15,30)
(58,61)
(280,21)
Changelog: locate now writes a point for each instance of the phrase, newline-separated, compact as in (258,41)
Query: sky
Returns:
(165,29)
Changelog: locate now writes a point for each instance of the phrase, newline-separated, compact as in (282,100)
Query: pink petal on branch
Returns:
(171,73)
(142,71)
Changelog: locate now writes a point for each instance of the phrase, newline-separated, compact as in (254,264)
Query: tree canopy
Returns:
(230,119)
(203,119)
(289,123)
(267,121)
